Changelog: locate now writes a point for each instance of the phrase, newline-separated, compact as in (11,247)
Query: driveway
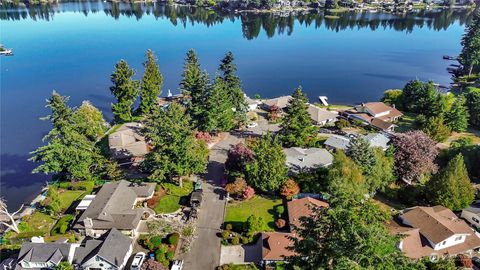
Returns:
(205,251)
(241,254)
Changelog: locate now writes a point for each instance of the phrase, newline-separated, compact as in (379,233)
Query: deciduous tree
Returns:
(89,121)
(290,189)
(296,127)
(393,97)
(436,129)
(451,186)
(125,90)
(237,158)
(152,82)
(345,179)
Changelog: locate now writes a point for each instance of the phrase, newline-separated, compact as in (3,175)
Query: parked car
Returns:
(177,265)
(196,198)
(137,261)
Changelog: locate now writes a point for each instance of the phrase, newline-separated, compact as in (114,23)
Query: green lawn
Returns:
(67,197)
(406,122)
(238,212)
(168,204)
(38,223)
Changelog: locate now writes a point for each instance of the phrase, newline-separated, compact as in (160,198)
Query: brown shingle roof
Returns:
(380,107)
(380,124)
(302,208)
(275,246)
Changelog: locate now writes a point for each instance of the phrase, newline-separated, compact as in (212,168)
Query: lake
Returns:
(72,48)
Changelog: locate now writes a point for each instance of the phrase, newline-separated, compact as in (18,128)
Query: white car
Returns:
(177,265)
(137,261)
(252,125)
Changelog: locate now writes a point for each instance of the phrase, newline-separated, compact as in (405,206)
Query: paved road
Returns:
(205,252)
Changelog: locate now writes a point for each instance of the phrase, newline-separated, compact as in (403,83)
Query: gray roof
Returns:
(299,158)
(127,141)
(319,115)
(338,142)
(44,252)
(474,208)
(281,102)
(113,206)
(377,140)
(103,247)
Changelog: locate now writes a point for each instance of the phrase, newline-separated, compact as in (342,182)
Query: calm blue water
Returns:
(72,48)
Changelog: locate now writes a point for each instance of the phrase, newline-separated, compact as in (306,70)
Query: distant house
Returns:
(337,142)
(114,207)
(320,116)
(279,102)
(472,215)
(252,103)
(433,232)
(378,140)
(110,252)
(377,114)
(127,143)
(275,245)
(299,159)
(44,255)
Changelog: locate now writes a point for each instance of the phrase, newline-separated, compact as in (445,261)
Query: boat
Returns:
(4,51)
(447,57)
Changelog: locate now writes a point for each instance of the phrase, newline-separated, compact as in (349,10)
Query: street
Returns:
(205,251)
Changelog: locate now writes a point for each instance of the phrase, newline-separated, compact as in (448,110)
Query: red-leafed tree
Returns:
(248,193)
(274,113)
(290,189)
(237,187)
(151,264)
(414,156)
(280,223)
(237,157)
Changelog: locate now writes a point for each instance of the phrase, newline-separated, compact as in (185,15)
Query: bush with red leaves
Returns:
(280,223)
(248,193)
(204,136)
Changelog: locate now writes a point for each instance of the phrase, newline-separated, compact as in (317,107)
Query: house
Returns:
(252,103)
(433,232)
(378,140)
(377,114)
(299,159)
(280,102)
(276,245)
(110,252)
(41,255)
(472,215)
(114,207)
(127,143)
(320,116)
(337,142)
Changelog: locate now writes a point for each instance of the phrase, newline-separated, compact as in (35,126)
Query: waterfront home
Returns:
(472,215)
(40,255)
(376,114)
(337,142)
(433,232)
(378,140)
(276,245)
(320,116)
(299,159)
(109,252)
(252,103)
(127,144)
(280,102)
(114,207)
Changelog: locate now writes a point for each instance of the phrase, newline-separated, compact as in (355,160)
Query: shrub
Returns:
(290,189)
(173,239)
(245,240)
(62,224)
(279,210)
(169,255)
(187,231)
(225,234)
(248,193)
(156,241)
(236,240)
(237,187)
(152,202)
(280,223)
(204,136)
(342,123)
(229,227)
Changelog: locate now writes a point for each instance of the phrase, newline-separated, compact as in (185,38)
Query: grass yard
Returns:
(38,223)
(67,197)
(238,212)
(168,204)
(406,122)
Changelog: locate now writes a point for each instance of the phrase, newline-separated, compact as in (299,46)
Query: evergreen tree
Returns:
(89,121)
(61,112)
(125,90)
(296,127)
(217,114)
(470,55)
(435,128)
(233,86)
(176,151)
(345,179)
(191,74)
(472,97)
(360,152)
(267,172)
(457,117)
(152,82)
(411,94)
(451,187)
(393,97)
(382,173)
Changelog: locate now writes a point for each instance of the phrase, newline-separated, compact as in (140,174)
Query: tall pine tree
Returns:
(296,128)
(470,55)
(217,114)
(125,90)
(360,152)
(451,187)
(152,82)
(191,73)
(457,117)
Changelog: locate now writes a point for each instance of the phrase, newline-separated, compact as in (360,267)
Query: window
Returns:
(444,243)
(476,220)
(459,238)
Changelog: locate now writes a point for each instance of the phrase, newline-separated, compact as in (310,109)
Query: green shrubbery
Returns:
(62,225)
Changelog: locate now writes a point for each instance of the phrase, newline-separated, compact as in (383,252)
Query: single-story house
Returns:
(280,102)
(114,207)
(109,252)
(377,114)
(299,159)
(378,140)
(276,245)
(320,116)
(127,142)
(44,255)
(434,232)
(337,142)
(472,215)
